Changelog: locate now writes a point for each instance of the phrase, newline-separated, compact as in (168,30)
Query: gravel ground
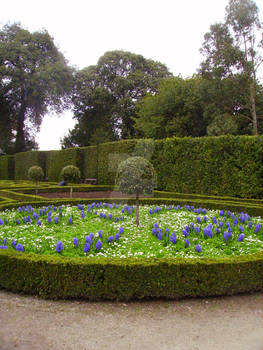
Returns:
(224,323)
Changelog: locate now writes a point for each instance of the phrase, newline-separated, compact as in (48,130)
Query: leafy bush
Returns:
(35,173)
(70,173)
(136,176)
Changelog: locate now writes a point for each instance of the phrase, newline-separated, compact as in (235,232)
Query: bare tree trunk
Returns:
(137,210)
(253,109)
(70,191)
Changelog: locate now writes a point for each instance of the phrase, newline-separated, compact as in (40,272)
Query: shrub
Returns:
(35,173)
(136,176)
(70,173)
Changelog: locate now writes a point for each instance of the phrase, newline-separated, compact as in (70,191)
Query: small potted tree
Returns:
(35,174)
(71,174)
(136,175)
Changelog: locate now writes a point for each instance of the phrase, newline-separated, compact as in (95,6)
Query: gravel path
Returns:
(227,323)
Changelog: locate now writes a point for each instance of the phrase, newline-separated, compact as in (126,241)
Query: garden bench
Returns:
(90,181)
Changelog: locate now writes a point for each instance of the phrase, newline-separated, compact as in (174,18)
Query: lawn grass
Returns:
(163,231)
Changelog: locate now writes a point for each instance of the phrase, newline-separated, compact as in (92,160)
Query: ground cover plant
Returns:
(104,229)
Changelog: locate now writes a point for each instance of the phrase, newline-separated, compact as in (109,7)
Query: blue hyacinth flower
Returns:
(39,223)
(117,236)
(110,216)
(110,238)
(121,230)
(82,214)
(17,222)
(226,236)
(49,219)
(116,220)
(257,228)
(3,247)
(13,243)
(75,242)
(19,247)
(59,247)
(185,233)
(150,211)
(173,238)
(197,230)
(186,243)
(221,212)
(1,222)
(98,245)
(241,228)
(100,233)
(70,220)
(86,247)
(198,248)
(159,235)
(56,219)
(250,224)
(198,220)
(241,237)
(80,206)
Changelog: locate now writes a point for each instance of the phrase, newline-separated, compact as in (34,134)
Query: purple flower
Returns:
(166,231)
(156,225)
(4,241)
(80,206)
(116,219)
(226,236)
(39,223)
(197,230)
(35,216)
(121,230)
(235,222)
(186,243)
(82,214)
(241,237)
(185,233)
(19,247)
(198,248)
(159,235)
(205,218)
(214,220)
(110,216)
(117,236)
(173,238)
(17,222)
(110,238)
(257,228)
(49,219)
(59,247)
(150,211)
(1,222)
(100,233)
(98,245)
(221,212)
(3,247)
(56,219)
(88,239)
(198,220)
(70,220)
(75,242)
(86,247)
(13,243)
(250,224)
(241,228)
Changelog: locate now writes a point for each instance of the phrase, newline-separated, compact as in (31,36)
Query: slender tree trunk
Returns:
(137,209)
(70,191)
(253,108)
(20,137)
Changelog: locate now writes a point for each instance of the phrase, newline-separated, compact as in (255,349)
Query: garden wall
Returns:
(225,165)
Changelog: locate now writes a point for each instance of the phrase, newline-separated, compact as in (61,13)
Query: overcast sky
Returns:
(168,31)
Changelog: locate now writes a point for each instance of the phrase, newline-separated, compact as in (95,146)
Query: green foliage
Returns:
(136,175)
(7,167)
(106,95)
(232,57)
(34,78)
(35,173)
(57,160)
(175,110)
(116,279)
(70,173)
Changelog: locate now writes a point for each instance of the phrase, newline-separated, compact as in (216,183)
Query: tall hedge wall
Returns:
(57,160)
(7,168)
(225,165)
(24,160)
(109,157)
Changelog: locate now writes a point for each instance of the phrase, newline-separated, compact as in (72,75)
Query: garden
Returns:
(153,243)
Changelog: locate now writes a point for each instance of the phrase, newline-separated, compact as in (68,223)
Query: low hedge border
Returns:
(57,277)
(128,279)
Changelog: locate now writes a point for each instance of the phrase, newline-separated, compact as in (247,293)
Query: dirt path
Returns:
(234,323)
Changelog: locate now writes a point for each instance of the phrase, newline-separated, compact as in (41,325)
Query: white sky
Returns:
(168,31)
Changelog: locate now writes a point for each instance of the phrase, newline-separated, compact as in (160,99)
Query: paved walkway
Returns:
(227,323)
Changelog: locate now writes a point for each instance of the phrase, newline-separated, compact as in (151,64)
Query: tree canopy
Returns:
(232,57)
(34,79)
(105,96)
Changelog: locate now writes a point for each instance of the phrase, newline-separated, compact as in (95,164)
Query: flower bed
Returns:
(95,251)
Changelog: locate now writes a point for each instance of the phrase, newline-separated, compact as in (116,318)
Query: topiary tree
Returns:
(35,173)
(71,174)
(136,175)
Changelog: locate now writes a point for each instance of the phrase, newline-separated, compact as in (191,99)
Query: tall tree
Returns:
(106,95)
(233,56)
(34,78)
(175,110)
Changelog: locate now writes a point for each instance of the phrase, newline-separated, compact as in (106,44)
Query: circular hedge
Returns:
(130,278)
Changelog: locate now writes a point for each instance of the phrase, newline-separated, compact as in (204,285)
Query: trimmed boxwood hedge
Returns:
(125,279)
(131,278)
(7,167)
